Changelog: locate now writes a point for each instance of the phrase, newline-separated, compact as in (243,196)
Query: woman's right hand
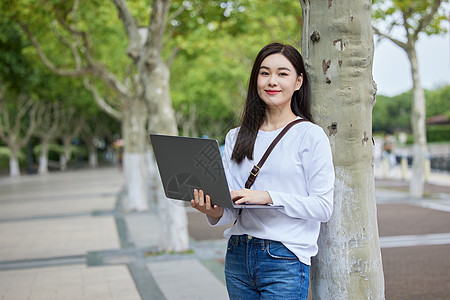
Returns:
(203,204)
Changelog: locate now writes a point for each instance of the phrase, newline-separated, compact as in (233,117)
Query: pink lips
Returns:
(272,92)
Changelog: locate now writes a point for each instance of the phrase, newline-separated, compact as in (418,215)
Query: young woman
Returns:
(269,250)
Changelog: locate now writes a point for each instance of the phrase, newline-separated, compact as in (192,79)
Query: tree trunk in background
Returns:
(92,150)
(418,114)
(154,81)
(174,232)
(51,120)
(69,130)
(338,51)
(14,169)
(134,160)
(43,158)
(66,155)
(93,156)
(62,162)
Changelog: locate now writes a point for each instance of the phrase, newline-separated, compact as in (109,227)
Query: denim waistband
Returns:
(250,239)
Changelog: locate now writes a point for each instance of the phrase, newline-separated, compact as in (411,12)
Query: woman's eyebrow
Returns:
(280,68)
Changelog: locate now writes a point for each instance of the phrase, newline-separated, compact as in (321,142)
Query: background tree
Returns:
(68,131)
(338,50)
(56,95)
(17,108)
(411,18)
(97,133)
(73,27)
(50,119)
(17,122)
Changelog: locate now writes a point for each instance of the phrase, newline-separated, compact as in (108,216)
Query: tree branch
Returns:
(101,102)
(173,16)
(23,106)
(131,28)
(406,15)
(93,67)
(178,12)
(395,41)
(63,23)
(423,23)
(47,62)
(76,4)
(72,47)
(50,116)
(173,55)
(110,80)
(157,26)
(32,125)
(13,132)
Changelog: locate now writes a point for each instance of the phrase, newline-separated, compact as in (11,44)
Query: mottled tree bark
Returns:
(134,161)
(338,51)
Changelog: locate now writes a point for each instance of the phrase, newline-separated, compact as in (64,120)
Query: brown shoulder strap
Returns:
(256,168)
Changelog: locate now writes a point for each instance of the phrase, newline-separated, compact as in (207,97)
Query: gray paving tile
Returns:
(68,282)
(187,279)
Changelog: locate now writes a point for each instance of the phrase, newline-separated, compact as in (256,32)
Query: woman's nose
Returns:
(272,81)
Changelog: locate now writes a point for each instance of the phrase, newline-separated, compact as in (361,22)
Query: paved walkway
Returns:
(64,236)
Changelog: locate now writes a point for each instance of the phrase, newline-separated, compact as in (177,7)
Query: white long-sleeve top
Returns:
(298,174)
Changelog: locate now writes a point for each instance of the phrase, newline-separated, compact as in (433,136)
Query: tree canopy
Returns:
(210,46)
(413,16)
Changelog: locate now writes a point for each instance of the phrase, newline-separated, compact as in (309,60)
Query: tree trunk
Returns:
(65,157)
(93,156)
(14,169)
(134,157)
(416,187)
(154,79)
(89,135)
(62,162)
(174,233)
(50,123)
(43,158)
(338,50)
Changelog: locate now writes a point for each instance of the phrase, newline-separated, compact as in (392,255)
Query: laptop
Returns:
(187,163)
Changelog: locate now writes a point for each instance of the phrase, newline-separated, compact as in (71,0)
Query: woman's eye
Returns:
(264,73)
(283,74)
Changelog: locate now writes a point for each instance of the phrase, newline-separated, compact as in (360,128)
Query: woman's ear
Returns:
(299,82)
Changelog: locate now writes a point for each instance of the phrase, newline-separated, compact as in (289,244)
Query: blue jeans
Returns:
(264,269)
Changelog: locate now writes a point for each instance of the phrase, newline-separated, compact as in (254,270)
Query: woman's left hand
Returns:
(243,196)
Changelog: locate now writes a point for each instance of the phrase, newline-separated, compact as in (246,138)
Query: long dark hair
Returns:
(254,113)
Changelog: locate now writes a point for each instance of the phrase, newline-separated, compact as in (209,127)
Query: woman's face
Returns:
(277,81)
